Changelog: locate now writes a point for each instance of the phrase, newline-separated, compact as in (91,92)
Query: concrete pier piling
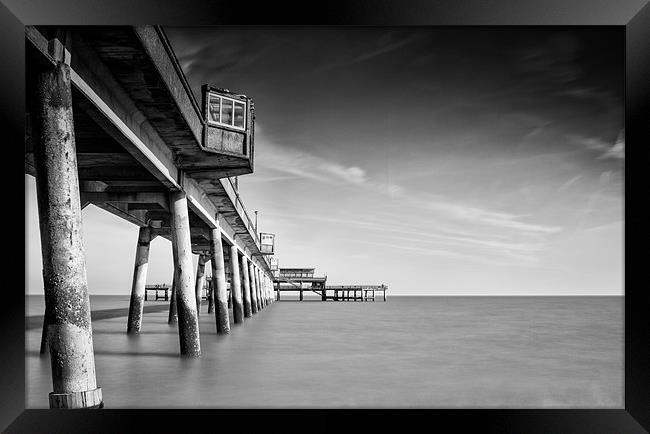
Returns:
(251,272)
(246,287)
(258,282)
(200,281)
(222,316)
(235,286)
(173,312)
(265,301)
(211,296)
(43,349)
(267,293)
(67,305)
(188,322)
(136,304)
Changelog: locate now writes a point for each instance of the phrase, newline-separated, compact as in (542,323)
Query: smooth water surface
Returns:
(490,352)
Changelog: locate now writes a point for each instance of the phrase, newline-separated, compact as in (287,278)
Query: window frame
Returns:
(212,94)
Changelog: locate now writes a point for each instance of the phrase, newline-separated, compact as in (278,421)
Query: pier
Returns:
(302,280)
(111,121)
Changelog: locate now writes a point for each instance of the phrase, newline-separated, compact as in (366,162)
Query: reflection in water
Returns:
(409,352)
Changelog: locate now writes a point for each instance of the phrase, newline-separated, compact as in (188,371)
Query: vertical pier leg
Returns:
(173,312)
(200,282)
(324,294)
(211,296)
(43,349)
(235,286)
(278,290)
(251,272)
(258,282)
(219,289)
(301,296)
(265,291)
(258,289)
(246,287)
(136,305)
(67,305)
(188,321)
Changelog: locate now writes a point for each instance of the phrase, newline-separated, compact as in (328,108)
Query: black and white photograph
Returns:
(325,217)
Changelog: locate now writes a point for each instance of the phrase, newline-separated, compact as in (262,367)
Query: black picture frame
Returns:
(633,14)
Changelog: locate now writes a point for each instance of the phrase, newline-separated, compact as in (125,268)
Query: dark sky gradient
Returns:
(443,160)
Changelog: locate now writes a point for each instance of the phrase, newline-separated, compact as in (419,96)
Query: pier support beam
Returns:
(219,288)
(235,286)
(301,296)
(246,287)
(324,294)
(278,289)
(188,322)
(136,305)
(251,272)
(200,282)
(67,305)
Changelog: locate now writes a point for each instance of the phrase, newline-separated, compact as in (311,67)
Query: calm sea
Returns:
(437,352)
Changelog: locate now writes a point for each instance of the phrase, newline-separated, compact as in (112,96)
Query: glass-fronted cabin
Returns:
(229,128)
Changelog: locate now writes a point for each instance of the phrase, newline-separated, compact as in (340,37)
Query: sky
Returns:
(436,160)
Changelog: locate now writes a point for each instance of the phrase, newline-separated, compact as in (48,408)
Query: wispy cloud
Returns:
(371,54)
(606,150)
(301,164)
(569,183)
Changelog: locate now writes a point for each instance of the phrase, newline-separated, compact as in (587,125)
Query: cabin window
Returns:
(226,111)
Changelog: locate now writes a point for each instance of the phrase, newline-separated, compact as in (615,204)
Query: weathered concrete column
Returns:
(264,291)
(235,285)
(67,305)
(324,294)
(267,293)
(258,283)
(261,283)
(246,287)
(254,303)
(188,321)
(136,305)
(219,279)
(44,336)
(211,296)
(200,282)
(173,312)
(301,296)
(278,289)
